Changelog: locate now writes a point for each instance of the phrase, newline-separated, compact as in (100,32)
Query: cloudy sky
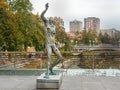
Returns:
(107,10)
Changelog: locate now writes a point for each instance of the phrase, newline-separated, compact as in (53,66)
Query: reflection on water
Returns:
(95,72)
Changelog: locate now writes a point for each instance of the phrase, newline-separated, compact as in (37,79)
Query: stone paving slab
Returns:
(90,83)
(18,82)
(69,83)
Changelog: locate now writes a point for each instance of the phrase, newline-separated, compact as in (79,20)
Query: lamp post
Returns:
(93,43)
(90,42)
(93,63)
(76,43)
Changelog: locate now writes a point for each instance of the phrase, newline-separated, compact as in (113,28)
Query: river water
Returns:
(74,69)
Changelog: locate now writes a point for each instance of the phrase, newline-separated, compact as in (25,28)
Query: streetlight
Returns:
(90,42)
(93,43)
(76,43)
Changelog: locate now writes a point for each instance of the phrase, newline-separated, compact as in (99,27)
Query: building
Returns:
(112,33)
(75,26)
(92,23)
(109,32)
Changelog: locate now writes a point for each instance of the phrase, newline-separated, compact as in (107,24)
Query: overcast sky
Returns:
(107,10)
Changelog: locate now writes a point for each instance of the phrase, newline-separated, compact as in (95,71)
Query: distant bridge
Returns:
(81,48)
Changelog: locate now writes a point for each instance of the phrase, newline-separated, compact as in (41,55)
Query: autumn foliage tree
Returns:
(19,27)
(90,35)
(9,34)
(61,35)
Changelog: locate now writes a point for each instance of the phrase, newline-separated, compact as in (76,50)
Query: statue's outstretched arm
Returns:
(43,13)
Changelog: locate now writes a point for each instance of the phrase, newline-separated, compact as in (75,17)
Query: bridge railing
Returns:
(96,47)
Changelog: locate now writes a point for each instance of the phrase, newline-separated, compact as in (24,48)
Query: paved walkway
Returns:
(69,83)
(18,82)
(90,83)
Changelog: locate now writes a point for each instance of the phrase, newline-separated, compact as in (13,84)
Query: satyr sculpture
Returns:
(49,30)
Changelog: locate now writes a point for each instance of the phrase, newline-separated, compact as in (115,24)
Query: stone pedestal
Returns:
(52,83)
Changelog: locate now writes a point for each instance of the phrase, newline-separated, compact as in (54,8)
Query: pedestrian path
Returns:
(90,83)
(70,82)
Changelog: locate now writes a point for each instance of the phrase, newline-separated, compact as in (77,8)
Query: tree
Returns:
(90,35)
(19,27)
(22,10)
(21,6)
(24,18)
(61,35)
(38,38)
(104,38)
(8,28)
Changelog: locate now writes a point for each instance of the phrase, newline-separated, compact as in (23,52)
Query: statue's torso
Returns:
(50,34)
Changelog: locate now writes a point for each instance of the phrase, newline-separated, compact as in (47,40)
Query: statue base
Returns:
(51,83)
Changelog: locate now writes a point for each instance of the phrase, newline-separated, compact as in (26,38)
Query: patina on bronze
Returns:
(49,29)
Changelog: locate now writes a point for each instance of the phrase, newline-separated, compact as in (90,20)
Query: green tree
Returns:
(90,35)
(19,27)
(61,36)
(23,6)
(29,24)
(8,28)
(104,38)
(38,38)
(22,10)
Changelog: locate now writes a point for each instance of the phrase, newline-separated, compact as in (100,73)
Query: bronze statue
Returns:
(49,29)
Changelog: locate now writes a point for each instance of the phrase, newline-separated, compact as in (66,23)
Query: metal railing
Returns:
(19,59)
(34,63)
(37,60)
